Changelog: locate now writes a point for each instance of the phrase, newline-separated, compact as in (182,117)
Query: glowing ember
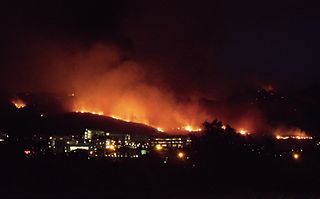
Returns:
(160,129)
(296,137)
(18,103)
(115,117)
(243,132)
(291,133)
(188,128)
(92,112)
(191,129)
(224,127)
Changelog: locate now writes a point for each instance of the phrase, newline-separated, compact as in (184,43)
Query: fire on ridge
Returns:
(187,127)
(19,103)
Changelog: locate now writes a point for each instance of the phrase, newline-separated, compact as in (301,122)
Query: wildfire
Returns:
(191,129)
(87,111)
(188,128)
(293,133)
(115,117)
(296,137)
(160,129)
(18,103)
(243,132)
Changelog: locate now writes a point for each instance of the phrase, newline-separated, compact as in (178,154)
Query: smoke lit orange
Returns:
(18,103)
(291,133)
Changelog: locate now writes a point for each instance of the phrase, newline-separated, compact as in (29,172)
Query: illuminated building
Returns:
(95,143)
(94,134)
(171,142)
(76,147)
(57,144)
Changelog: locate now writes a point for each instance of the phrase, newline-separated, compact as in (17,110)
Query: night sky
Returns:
(174,51)
(202,47)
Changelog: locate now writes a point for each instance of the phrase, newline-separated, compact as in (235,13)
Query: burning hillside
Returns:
(123,90)
(18,103)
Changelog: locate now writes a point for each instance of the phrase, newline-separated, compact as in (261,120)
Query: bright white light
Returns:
(72,148)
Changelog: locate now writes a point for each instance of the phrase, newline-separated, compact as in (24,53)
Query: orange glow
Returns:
(224,127)
(87,111)
(122,93)
(188,128)
(158,147)
(296,156)
(160,129)
(292,133)
(18,103)
(297,137)
(115,117)
(191,129)
(180,155)
(243,132)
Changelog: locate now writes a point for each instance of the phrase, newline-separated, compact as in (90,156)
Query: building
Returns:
(173,142)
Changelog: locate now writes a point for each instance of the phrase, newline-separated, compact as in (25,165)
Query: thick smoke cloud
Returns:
(105,82)
(156,61)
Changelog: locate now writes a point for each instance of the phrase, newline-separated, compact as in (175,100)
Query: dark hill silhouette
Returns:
(25,122)
(78,122)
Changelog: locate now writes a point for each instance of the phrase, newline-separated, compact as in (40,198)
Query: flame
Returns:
(124,89)
(188,128)
(19,103)
(191,129)
(160,129)
(87,111)
(243,132)
(292,133)
(298,137)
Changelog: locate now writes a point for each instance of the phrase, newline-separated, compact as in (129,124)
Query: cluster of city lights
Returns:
(180,154)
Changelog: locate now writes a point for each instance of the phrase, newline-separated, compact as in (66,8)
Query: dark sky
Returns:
(207,48)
